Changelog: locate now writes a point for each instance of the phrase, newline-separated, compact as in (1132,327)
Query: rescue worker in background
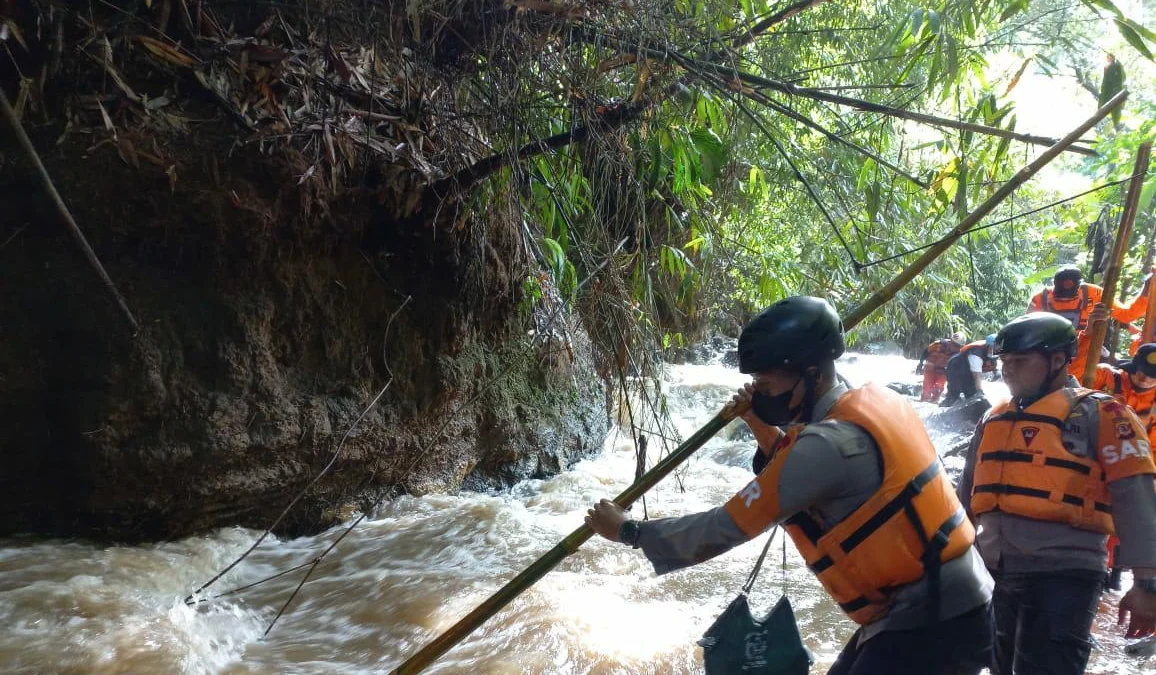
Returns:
(1048,476)
(1132,383)
(935,372)
(965,370)
(855,479)
(1073,299)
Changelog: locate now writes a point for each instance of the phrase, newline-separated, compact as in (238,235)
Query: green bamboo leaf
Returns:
(1146,196)
(1134,38)
(1014,8)
(916,23)
(1104,4)
(712,152)
(555,258)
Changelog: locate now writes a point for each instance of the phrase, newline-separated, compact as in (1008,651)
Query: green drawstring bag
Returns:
(738,643)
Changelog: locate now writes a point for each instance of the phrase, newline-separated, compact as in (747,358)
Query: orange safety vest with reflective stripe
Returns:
(1023,468)
(939,352)
(910,526)
(1074,309)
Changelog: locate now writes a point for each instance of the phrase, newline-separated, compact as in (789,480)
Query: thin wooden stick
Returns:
(30,150)
(1127,218)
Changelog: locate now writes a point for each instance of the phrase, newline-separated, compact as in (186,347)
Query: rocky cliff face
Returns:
(278,292)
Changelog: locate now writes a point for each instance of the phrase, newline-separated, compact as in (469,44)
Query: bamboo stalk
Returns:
(1127,218)
(1115,330)
(58,201)
(887,292)
(540,567)
(732,74)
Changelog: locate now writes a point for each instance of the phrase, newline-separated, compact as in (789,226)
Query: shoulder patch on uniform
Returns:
(1112,406)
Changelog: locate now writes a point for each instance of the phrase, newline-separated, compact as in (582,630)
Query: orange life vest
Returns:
(1023,468)
(1117,383)
(904,531)
(1074,309)
(939,352)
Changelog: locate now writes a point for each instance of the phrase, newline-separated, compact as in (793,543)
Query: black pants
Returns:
(958,646)
(1043,622)
(960,381)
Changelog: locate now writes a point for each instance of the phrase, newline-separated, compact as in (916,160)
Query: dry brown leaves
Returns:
(339,105)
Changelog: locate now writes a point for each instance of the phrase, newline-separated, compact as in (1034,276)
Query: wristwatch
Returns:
(629,532)
(1148,584)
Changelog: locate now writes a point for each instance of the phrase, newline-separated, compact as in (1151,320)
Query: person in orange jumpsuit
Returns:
(935,371)
(1072,298)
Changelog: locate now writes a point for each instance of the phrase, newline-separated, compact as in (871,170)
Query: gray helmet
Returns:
(1037,331)
(795,333)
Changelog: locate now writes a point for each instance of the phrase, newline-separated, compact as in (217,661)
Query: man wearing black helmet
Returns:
(855,480)
(1073,298)
(1049,474)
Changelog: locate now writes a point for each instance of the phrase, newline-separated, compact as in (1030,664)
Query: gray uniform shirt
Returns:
(832,471)
(1017,545)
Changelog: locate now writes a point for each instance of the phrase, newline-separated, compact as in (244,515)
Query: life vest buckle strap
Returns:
(821,565)
(1038,460)
(1002,489)
(897,504)
(808,526)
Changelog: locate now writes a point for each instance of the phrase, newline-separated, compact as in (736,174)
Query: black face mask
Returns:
(775,410)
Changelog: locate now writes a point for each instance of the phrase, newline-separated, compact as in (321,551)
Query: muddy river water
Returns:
(418,564)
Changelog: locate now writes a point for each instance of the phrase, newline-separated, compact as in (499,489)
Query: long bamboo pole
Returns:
(887,292)
(1127,218)
(538,569)
(1113,338)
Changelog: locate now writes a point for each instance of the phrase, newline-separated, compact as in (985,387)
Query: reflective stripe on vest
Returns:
(1077,314)
(1023,468)
(904,531)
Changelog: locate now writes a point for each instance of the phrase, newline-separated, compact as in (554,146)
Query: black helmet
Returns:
(1144,361)
(1066,281)
(1037,331)
(796,332)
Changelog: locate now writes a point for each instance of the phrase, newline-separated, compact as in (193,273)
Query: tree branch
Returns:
(470,176)
(776,18)
(733,74)
(799,176)
(808,122)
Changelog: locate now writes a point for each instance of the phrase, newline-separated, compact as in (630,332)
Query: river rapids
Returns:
(417,564)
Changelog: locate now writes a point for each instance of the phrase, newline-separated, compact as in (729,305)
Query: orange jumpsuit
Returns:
(935,368)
